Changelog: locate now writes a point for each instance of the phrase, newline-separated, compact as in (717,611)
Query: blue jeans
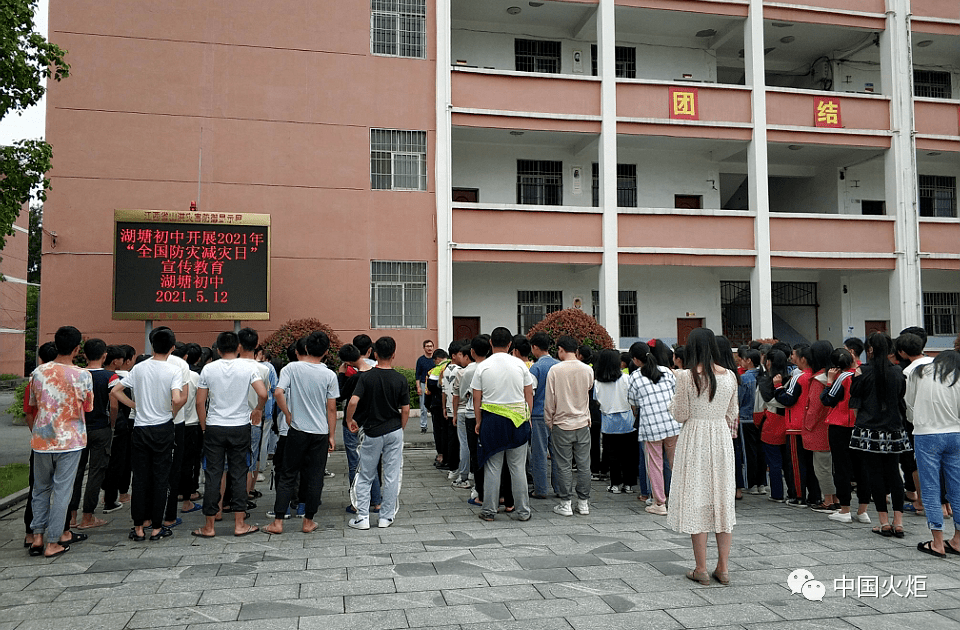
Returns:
(350,441)
(463,472)
(539,449)
(642,479)
(53,477)
(936,453)
(774,458)
(256,433)
(424,415)
(388,449)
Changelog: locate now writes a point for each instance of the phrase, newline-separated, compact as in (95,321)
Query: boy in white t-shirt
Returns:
(226,427)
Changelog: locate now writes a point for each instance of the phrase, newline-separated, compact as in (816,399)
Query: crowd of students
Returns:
(690,428)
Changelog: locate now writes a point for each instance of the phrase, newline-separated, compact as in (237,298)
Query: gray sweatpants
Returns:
(570,446)
(53,477)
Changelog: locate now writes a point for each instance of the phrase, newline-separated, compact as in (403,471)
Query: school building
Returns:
(434,168)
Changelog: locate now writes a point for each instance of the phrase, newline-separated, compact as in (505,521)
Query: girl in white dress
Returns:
(703,484)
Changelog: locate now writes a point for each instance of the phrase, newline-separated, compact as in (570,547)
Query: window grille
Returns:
(533,55)
(398,159)
(941,312)
(398,28)
(938,196)
(533,306)
(931,84)
(398,294)
(625,59)
(627,302)
(540,182)
(626,185)
(735,313)
(794,294)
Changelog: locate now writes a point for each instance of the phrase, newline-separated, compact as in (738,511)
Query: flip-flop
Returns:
(315,528)
(196,506)
(36,552)
(927,547)
(200,534)
(179,521)
(65,549)
(267,531)
(75,538)
(251,530)
(97,523)
(950,550)
(475,502)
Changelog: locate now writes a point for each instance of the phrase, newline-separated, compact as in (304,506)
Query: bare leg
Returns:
(309,525)
(208,528)
(276,527)
(700,551)
(937,544)
(724,542)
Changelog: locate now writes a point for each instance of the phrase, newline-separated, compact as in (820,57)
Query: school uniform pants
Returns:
(98,460)
(845,466)
(387,449)
(230,445)
(176,465)
(54,474)
(151,454)
(774,454)
(621,453)
(753,451)
(117,481)
(306,454)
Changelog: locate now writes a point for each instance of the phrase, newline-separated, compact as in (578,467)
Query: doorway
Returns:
(874,325)
(686,325)
(466,327)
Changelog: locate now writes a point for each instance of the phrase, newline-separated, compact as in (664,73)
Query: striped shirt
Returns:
(652,401)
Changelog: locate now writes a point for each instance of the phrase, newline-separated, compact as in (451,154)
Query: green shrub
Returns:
(411,376)
(294,329)
(13,477)
(577,324)
(16,409)
(9,377)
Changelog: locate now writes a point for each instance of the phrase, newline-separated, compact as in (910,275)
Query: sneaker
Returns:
(596,477)
(453,474)
(383,522)
(109,509)
(272,514)
(823,508)
(774,500)
(613,489)
(754,490)
(462,484)
(260,477)
(583,506)
(327,474)
(301,510)
(863,518)
(797,503)
(563,509)
(841,518)
(524,517)
(649,501)
(474,494)
(423,429)
(359,523)
(484,516)
(761,489)
(657,508)
(628,489)
(470,477)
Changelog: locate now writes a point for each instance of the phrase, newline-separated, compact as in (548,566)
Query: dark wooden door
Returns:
(685,325)
(466,327)
(874,325)
(688,202)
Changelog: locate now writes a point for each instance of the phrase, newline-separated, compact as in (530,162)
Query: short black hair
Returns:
(919,332)
(567,343)
(753,356)
(363,344)
(48,352)
(302,346)
(783,347)
(454,348)
(542,340)
(522,345)
(501,337)
(481,345)
(227,342)
(841,358)
(318,343)
(193,352)
(155,330)
(440,353)
(94,349)
(385,347)
(348,353)
(292,352)
(162,340)
(112,354)
(129,351)
(67,338)
(248,338)
(586,352)
(853,343)
(909,344)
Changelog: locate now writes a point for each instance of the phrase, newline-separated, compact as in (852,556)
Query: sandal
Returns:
(948,548)
(884,530)
(702,577)
(927,547)
(898,531)
(721,576)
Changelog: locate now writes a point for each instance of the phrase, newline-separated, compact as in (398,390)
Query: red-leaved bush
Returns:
(577,324)
(294,329)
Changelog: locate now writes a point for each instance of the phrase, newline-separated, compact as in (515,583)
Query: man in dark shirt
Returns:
(380,406)
(101,363)
(425,363)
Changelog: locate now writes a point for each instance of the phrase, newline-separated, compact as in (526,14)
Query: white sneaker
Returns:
(840,518)
(583,506)
(470,477)
(649,501)
(463,484)
(754,490)
(761,489)
(563,509)
(359,523)
(863,518)
(474,494)
(260,477)
(613,489)
(452,475)
(383,522)
(628,489)
(657,508)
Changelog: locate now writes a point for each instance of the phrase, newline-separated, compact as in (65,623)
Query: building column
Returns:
(761,301)
(900,168)
(443,178)
(609,266)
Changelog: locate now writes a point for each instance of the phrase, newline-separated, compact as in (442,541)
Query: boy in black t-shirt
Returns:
(380,405)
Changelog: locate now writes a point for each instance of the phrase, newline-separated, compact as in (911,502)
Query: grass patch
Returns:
(13,477)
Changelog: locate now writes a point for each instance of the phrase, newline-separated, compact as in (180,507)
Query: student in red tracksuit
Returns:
(816,437)
(840,419)
(793,396)
(773,428)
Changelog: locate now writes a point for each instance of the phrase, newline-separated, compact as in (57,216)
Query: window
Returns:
(931,83)
(626,61)
(532,306)
(872,206)
(627,301)
(540,182)
(398,294)
(398,159)
(398,28)
(626,185)
(537,56)
(938,196)
(941,312)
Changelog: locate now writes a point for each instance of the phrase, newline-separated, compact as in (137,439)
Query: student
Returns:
(479,350)
(295,352)
(351,366)
(616,418)
(247,352)
(101,363)
(158,388)
(381,403)
(463,404)
(502,398)
(364,344)
(424,365)
(192,435)
(307,395)
(60,394)
(909,346)
(816,434)
(855,347)
(226,429)
(45,354)
(448,377)
(434,401)
(792,395)
(773,430)
(117,482)
(747,395)
(540,437)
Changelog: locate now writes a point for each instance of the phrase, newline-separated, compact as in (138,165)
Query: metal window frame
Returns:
(379,277)
(540,177)
(534,53)
(627,311)
(400,10)
(394,142)
(941,193)
(938,305)
(625,60)
(550,301)
(932,84)
(626,185)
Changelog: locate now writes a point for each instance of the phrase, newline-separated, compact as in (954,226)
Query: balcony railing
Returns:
(937,116)
(822,237)
(507,91)
(790,107)
(645,99)
(939,239)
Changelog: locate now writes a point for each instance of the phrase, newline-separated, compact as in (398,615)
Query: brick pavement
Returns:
(439,566)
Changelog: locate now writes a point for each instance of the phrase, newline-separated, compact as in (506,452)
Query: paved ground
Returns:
(439,566)
(14,440)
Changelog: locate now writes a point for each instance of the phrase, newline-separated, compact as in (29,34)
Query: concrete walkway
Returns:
(439,566)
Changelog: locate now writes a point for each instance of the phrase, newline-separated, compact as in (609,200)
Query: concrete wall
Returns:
(945,281)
